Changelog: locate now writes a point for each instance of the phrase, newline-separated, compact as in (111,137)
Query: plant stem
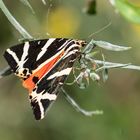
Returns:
(14,22)
(78,108)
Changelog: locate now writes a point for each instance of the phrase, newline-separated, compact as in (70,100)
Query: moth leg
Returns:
(75,77)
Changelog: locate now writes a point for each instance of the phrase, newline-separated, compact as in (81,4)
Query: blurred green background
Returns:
(119,97)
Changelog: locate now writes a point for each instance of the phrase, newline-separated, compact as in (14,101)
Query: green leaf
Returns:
(128,10)
(109,46)
(109,65)
(90,7)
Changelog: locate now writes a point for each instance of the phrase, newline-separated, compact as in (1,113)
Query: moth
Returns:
(43,65)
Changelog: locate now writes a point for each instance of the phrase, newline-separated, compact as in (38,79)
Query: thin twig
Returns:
(112,64)
(100,30)
(78,108)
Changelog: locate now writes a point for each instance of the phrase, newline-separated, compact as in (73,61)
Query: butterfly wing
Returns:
(47,88)
(44,66)
(26,58)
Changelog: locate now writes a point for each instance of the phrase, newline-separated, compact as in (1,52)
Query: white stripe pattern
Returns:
(14,55)
(42,95)
(38,97)
(66,43)
(21,62)
(44,49)
(72,46)
(24,55)
(70,53)
(25,51)
(41,110)
(60,73)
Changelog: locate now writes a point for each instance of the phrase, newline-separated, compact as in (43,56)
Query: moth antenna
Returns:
(40,35)
(98,31)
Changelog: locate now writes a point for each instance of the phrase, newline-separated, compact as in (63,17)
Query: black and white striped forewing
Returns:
(27,58)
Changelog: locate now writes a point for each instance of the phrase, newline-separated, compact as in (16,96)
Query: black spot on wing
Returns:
(35,79)
(25,71)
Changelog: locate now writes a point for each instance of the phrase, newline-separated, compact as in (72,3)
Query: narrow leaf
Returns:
(128,10)
(109,46)
(116,65)
(14,22)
